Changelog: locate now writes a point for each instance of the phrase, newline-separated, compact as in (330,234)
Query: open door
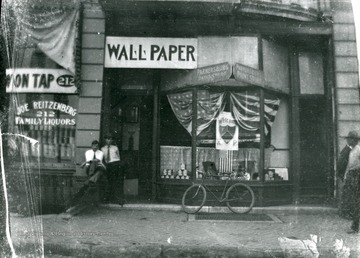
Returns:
(132,126)
(314,161)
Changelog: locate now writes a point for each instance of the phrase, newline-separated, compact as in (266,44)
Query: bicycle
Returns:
(239,197)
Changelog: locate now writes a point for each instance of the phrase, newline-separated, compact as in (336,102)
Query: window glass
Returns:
(175,135)
(227,134)
(231,142)
(50,119)
(277,153)
(311,73)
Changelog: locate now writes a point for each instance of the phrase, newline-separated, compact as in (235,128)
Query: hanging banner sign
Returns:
(211,74)
(44,113)
(38,80)
(249,75)
(227,132)
(138,52)
(204,75)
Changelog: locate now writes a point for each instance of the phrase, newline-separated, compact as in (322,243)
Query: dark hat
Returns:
(352,135)
(94,142)
(108,136)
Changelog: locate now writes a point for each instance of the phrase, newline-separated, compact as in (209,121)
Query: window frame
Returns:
(262,92)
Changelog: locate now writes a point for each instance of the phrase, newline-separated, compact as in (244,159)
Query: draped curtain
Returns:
(271,107)
(181,104)
(53,30)
(246,110)
(209,105)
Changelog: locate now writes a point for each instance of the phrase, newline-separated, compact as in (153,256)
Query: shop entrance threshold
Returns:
(232,217)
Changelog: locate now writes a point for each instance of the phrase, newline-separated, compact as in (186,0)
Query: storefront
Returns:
(246,88)
(220,94)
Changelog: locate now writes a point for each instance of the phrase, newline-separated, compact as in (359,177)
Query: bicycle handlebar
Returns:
(223,174)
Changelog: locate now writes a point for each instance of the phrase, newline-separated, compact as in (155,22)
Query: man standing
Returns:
(350,200)
(343,159)
(115,175)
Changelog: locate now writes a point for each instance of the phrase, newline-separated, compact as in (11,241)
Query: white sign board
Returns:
(227,132)
(38,80)
(137,52)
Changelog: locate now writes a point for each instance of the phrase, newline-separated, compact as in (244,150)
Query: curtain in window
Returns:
(271,107)
(181,104)
(173,156)
(52,29)
(209,105)
(246,110)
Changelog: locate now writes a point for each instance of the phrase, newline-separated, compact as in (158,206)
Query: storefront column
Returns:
(346,74)
(155,139)
(330,114)
(92,68)
(295,125)
(193,139)
(262,146)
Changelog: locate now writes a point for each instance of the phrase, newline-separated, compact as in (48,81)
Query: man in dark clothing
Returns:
(349,173)
(343,160)
(115,174)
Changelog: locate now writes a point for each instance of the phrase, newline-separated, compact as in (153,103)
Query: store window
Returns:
(175,135)
(50,119)
(228,133)
(40,111)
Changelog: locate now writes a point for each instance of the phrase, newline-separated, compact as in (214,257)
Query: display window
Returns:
(50,120)
(175,135)
(42,112)
(234,132)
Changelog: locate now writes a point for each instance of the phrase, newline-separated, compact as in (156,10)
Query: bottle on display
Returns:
(45,137)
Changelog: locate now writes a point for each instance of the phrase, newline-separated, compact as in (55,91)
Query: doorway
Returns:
(128,115)
(315,166)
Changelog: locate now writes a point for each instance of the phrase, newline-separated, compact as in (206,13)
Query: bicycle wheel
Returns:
(240,198)
(193,198)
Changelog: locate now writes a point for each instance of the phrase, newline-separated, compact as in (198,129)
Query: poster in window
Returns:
(227,132)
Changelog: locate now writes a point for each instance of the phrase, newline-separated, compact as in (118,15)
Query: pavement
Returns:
(160,230)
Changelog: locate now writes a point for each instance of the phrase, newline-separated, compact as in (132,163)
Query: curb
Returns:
(162,251)
(280,210)
(65,249)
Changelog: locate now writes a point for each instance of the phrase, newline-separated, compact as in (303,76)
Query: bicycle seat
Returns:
(210,168)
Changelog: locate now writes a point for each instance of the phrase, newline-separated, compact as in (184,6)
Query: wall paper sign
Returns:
(161,53)
(44,113)
(38,80)
(227,132)
(249,75)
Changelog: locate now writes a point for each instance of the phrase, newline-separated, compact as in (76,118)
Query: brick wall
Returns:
(346,71)
(92,68)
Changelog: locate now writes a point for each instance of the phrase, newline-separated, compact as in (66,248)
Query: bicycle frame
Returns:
(223,197)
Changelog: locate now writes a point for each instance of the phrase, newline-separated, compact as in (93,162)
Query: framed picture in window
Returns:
(132,114)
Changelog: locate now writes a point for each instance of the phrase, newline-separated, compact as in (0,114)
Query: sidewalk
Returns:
(147,230)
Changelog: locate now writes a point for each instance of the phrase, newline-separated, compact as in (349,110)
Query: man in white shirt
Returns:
(94,165)
(86,196)
(114,172)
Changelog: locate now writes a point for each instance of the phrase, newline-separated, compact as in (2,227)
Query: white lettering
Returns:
(22,109)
